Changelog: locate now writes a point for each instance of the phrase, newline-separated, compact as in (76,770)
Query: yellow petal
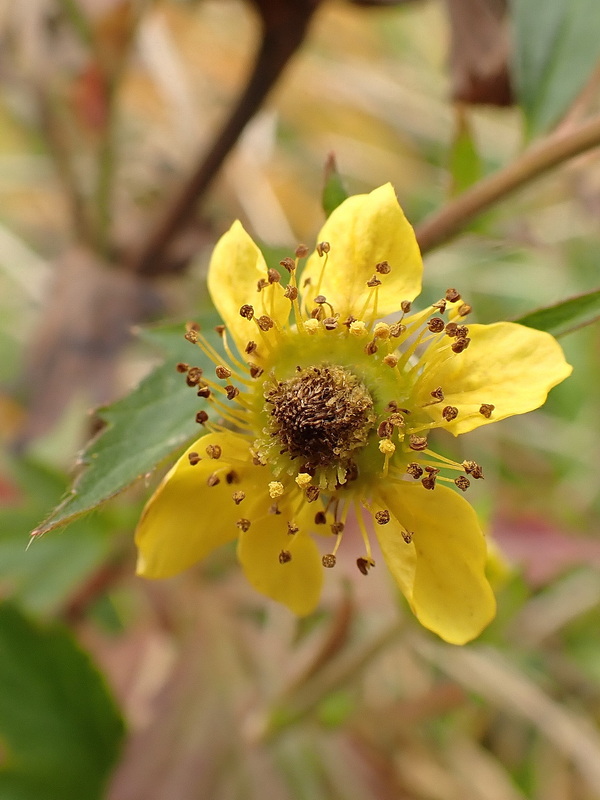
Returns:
(442,572)
(297,583)
(186,518)
(235,268)
(506,365)
(363,231)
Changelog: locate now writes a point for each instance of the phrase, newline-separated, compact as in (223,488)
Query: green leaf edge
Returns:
(555,319)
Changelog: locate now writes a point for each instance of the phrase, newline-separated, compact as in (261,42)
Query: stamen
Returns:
(285,557)
(486,410)
(194,459)
(201,417)
(243,524)
(213,451)
(275,489)
(238,497)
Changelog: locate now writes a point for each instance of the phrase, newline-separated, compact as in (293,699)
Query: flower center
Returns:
(321,416)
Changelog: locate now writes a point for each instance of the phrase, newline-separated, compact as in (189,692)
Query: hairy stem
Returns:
(540,158)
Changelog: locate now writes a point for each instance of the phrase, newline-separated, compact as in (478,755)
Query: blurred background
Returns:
(131,135)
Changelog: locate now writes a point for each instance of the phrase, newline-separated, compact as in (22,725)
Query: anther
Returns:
(337,528)
(451,329)
(291,292)
(460,345)
(391,360)
(203,391)
(371,348)
(288,263)
(386,447)
(429,481)
(473,469)
(243,524)
(407,536)
(301,251)
(303,479)
(405,305)
(191,336)
(323,247)
(385,429)
(436,325)
(462,482)
(358,328)
(273,276)
(255,370)
(320,299)
(320,518)
(438,394)
(486,410)
(275,489)
(462,332)
(261,284)
(449,413)
(383,268)
(232,392)
(364,564)
(292,528)
(328,560)
(396,419)
(374,281)
(382,517)
(265,323)
(223,372)
(220,329)
(452,296)
(464,310)
(250,347)
(213,451)
(194,459)
(381,331)
(311,325)
(312,493)
(414,469)
(238,497)
(417,442)
(213,480)
(440,305)
(285,557)
(246,311)
(182,367)
(397,329)
(194,376)
(201,417)
(330,323)
(232,477)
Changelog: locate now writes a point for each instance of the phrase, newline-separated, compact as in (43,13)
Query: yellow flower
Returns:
(326,411)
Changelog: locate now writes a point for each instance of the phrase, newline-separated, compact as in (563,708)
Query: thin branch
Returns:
(552,151)
(282,34)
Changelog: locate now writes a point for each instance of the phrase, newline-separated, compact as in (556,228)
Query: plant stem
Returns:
(540,158)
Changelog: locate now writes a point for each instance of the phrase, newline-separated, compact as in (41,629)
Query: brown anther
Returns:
(328,560)
(201,417)
(337,527)
(320,518)
(194,458)
(462,332)
(291,292)
(320,299)
(258,461)
(317,313)
(364,564)
(330,323)
(385,429)
(261,284)
(485,409)
(232,391)
(473,469)
(407,536)
(213,480)
(194,376)
(462,482)
(301,251)
(436,325)
(451,329)
(203,391)
(371,348)
(292,528)
(213,451)
(220,329)
(191,336)
(438,394)
(273,276)
(243,524)
(246,311)
(414,469)
(432,470)
(391,360)
(460,345)
(238,497)
(383,268)
(449,413)
(323,247)
(255,370)
(429,482)
(417,442)
(391,406)
(285,557)
(397,329)
(312,493)
(440,305)
(452,296)
(405,305)
(396,419)
(374,281)
(382,517)
(182,367)
(288,263)
(265,323)
(232,477)
(250,347)
(223,372)
(464,310)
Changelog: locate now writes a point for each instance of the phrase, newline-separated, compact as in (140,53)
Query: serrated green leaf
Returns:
(141,430)
(334,191)
(567,316)
(556,47)
(61,731)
